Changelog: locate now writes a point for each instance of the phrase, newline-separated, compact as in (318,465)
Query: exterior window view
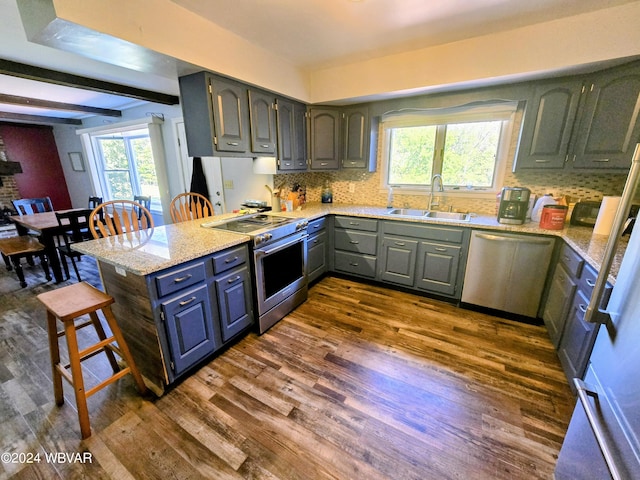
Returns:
(330,239)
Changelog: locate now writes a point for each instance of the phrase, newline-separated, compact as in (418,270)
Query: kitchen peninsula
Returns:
(153,276)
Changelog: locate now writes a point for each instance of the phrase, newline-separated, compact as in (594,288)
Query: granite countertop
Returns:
(170,245)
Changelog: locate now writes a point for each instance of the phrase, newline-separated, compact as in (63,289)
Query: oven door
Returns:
(280,271)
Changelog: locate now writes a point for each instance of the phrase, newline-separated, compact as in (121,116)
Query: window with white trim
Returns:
(466,145)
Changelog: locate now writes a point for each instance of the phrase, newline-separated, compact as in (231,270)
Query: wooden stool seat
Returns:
(67,304)
(15,248)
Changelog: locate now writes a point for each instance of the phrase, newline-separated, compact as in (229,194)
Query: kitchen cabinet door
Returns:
(609,129)
(234,302)
(324,138)
(559,300)
(547,125)
(398,260)
(262,115)
(356,137)
(291,123)
(317,251)
(230,115)
(189,326)
(437,270)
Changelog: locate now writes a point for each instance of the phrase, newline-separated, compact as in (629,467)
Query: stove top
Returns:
(254,223)
(262,228)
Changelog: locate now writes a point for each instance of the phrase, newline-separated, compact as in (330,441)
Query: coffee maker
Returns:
(514,203)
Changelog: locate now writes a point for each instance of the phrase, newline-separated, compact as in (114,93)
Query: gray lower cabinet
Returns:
(424,257)
(175,318)
(569,293)
(355,242)
(190,327)
(317,249)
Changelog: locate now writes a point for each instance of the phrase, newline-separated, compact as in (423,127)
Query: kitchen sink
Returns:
(411,212)
(408,212)
(462,217)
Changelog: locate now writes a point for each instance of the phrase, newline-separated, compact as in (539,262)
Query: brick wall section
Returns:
(9,189)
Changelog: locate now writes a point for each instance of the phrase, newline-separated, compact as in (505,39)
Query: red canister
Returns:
(553,217)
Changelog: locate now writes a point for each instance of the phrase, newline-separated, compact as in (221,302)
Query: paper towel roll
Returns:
(606,214)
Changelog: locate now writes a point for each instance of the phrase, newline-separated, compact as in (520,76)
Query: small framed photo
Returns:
(77,163)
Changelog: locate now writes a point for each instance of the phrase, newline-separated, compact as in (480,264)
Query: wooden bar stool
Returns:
(66,304)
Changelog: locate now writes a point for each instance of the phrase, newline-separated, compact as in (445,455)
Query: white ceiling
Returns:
(309,33)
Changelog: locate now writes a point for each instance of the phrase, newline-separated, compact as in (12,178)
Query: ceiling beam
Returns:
(21,70)
(68,107)
(21,117)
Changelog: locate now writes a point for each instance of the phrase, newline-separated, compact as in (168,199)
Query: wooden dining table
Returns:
(47,227)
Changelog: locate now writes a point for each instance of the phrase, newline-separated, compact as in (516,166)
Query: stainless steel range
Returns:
(278,262)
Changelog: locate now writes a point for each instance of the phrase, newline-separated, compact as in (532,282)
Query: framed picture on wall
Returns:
(77,163)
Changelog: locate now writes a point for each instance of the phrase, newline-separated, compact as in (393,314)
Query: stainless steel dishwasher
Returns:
(507,271)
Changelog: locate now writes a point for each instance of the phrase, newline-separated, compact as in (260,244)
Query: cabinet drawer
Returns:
(359,242)
(316,225)
(362,265)
(572,261)
(227,259)
(426,232)
(587,280)
(178,279)
(357,223)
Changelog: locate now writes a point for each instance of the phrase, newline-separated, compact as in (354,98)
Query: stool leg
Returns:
(101,335)
(78,381)
(54,350)
(115,329)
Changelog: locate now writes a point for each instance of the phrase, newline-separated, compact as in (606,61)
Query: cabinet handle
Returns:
(540,160)
(354,264)
(315,241)
(582,308)
(233,144)
(591,283)
(231,260)
(600,160)
(233,280)
(187,302)
(440,249)
(354,224)
(182,279)
(400,244)
(354,242)
(324,164)
(265,146)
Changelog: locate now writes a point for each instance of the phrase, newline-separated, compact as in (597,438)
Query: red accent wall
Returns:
(35,148)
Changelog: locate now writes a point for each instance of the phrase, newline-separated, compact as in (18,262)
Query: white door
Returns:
(212,171)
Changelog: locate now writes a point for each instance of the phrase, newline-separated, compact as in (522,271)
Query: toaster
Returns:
(585,213)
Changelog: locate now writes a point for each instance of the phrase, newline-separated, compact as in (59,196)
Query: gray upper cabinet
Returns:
(291,123)
(324,138)
(216,115)
(356,137)
(588,122)
(262,114)
(548,123)
(609,129)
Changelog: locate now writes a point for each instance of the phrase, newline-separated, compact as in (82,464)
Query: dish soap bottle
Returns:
(327,194)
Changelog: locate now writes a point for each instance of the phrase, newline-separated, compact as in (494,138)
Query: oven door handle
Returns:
(262,253)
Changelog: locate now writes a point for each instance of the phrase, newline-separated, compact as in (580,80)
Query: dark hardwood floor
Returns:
(360,382)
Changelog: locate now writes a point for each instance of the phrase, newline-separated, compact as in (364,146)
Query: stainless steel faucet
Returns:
(436,178)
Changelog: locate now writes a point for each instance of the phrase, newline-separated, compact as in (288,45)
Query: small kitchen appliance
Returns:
(585,213)
(514,203)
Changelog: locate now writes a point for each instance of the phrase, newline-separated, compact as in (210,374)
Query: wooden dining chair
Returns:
(94,202)
(74,227)
(190,206)
(117,217)
(29,206)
